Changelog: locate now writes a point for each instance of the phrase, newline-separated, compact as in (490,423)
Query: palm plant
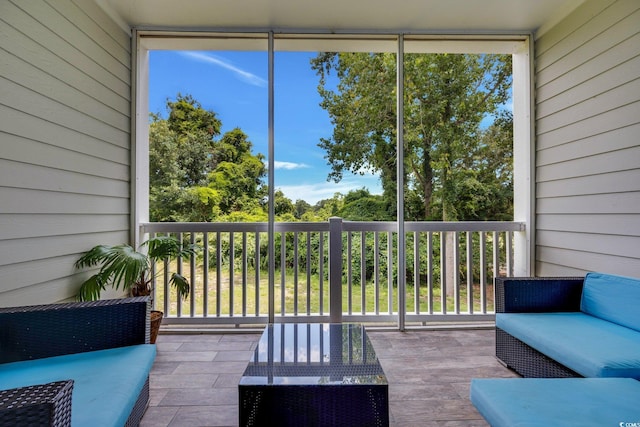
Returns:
(122,267)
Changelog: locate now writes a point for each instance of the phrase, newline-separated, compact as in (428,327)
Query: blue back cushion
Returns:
(612,298)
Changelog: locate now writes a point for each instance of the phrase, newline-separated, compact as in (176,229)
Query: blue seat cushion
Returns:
(590,346)
(536,402)
(612,298)
(107,382)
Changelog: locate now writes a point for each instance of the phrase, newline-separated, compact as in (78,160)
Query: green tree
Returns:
(164,171)
(446,98)
(361,205)
(325,209)
(301,207)
(195,177)
(186,116)
(195,129)
(283,205)
(237,174)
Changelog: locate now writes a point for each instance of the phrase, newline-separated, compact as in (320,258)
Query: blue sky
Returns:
(234,86)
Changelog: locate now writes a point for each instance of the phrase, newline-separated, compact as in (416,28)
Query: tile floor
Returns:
(195,377)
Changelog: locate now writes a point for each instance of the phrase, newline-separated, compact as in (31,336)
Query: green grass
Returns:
(233,297)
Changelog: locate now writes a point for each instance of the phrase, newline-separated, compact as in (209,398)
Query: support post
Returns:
(335,269)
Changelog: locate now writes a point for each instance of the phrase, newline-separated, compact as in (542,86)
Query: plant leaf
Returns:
(121,266)
(92,257)
(181,284)
(91,288)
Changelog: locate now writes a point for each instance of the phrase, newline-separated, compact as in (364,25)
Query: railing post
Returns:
(335,269)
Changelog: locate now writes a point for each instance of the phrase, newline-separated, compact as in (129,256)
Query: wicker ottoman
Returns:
(558,402)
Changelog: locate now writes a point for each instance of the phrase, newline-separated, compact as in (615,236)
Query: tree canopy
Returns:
(452,166)
(195,176)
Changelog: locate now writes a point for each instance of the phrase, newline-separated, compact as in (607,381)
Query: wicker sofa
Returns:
(569,327)
(75,363)
(577,343)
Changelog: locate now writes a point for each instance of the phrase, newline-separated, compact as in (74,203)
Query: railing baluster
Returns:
(456,272)
(295,273)
(363,272)
(377,273)
(192,273)
(257,274)
(509,252)
(469,272)
(218,274)
(349,275)
(232,258)
(205,274)
(167,295)
(483,272)
(308,273)
(430,270)
(179,271)
(390,272)
(283,271)
(321,274)
(496,255)
(443,273)
(416,272)
(244,273)
(154,284)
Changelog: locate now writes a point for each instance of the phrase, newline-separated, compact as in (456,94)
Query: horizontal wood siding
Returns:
(587,145)
(65,80)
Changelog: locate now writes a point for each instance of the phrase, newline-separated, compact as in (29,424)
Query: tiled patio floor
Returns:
(194,379)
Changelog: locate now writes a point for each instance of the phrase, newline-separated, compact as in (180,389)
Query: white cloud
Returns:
(314,192)
(220,62)
(289,165)
(366,170)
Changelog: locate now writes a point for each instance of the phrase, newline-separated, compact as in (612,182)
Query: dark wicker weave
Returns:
(534,295)
(36,332)
(141,405)
(527,361)
(38,405)
(365,405)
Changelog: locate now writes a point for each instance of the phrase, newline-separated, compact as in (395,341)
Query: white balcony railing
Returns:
(449,272)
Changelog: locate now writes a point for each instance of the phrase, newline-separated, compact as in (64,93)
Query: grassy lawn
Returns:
(305,297)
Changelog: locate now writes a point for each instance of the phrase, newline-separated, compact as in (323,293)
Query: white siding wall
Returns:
(64,143)
(588,141)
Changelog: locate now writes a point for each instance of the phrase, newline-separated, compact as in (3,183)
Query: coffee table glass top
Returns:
(314,354)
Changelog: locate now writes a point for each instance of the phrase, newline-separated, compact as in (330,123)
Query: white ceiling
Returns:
(425,16)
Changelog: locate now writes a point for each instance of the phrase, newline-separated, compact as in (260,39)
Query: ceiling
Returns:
(425,16)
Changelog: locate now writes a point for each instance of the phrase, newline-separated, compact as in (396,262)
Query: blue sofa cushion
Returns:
(107,382)
(612,298)
(534,402)
(590,346)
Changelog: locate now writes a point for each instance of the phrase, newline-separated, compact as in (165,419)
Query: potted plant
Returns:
(122,267)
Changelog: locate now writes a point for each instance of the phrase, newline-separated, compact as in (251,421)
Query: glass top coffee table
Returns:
(314,374)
